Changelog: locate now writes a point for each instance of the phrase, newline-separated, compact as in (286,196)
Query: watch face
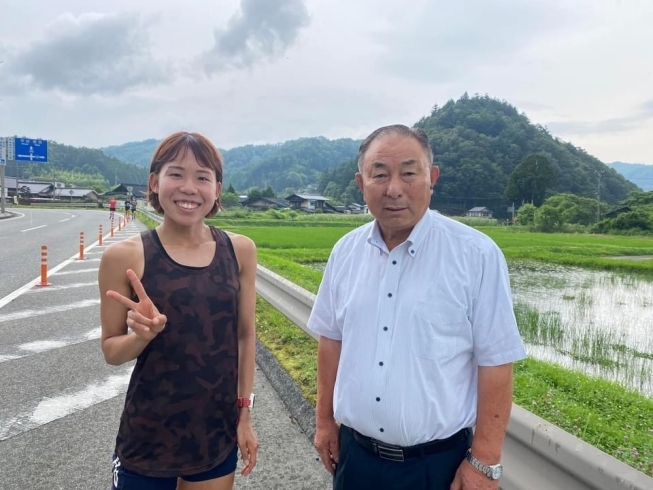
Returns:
(496,472)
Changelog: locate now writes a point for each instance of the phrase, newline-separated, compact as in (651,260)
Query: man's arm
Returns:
(493,412)
(326,433)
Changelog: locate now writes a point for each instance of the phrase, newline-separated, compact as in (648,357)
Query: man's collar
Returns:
(414,240)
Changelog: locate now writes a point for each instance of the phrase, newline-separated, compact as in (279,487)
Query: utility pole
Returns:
(599,174)
(3,161)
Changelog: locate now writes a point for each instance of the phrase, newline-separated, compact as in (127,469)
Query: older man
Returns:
(417,336)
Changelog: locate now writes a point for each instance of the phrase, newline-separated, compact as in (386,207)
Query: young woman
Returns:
(186,292)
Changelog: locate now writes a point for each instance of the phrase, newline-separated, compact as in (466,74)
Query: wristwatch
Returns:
(493,471)
(246,402)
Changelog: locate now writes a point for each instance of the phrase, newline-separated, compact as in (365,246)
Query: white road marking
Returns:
(79,271)
(62,286)
(63,220)
(56,407)
(35,228)
(18,216)
(39,346)
(19,315)
(42,345)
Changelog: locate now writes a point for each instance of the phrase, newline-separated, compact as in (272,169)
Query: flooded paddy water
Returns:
(597,322)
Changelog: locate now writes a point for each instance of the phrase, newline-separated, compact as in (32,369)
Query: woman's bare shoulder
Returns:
(241,241)
(127,252)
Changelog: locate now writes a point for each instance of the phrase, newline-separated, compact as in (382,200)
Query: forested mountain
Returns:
(86,162)
(136,152)
(478,142)
(638,173)
(293,164)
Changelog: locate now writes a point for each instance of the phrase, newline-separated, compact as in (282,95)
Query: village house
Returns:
(479,212)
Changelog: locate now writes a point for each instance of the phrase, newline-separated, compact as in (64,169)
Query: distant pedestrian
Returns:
(186,291)
(128,206)
(133,207)
(112,207)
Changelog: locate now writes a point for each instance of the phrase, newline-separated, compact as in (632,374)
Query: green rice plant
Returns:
(538,328)
(284,237)
(307,278)
(477,222)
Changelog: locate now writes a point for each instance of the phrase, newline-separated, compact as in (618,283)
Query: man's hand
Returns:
(143,318)
(469,478)
(326,443)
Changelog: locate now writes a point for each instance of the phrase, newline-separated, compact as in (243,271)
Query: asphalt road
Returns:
(59,402)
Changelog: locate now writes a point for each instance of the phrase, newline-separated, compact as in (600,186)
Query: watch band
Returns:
(493,472)
(242,402)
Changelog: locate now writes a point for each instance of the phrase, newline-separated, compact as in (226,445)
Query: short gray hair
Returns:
(398,129)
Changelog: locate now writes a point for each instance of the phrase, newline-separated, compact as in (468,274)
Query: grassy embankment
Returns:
(604,414)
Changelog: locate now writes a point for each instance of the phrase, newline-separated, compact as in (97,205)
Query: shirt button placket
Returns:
(387,312)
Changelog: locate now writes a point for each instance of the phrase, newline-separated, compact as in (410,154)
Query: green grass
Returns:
(295,350)
(591,251)
(309,279)
(616,421)
(285,237)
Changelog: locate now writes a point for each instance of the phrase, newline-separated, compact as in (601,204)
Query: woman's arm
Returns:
(246,255)
(117,311)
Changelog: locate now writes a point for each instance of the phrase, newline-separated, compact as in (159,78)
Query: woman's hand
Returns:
(143,318)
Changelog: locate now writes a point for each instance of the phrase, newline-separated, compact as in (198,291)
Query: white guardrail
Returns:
(537,455)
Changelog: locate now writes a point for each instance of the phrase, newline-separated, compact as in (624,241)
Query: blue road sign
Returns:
(29,150)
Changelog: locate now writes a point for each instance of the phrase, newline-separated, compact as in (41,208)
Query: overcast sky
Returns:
(96,73)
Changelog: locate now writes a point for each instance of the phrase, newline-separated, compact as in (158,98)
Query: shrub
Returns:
(526,214)
(547,219)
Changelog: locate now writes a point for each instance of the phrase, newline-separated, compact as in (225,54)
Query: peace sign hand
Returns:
(143,318)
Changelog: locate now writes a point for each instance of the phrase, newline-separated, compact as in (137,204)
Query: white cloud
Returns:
(260,30)
(439,41)
(89,54)
(246,71)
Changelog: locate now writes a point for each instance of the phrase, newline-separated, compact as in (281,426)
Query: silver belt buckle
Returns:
(389,453)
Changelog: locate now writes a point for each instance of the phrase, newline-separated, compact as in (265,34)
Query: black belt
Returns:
(398,453)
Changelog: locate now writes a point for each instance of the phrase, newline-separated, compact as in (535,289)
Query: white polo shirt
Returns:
(415,324)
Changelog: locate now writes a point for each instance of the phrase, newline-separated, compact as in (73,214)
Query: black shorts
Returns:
(123,479)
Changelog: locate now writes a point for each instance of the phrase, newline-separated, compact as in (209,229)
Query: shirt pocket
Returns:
(436,330)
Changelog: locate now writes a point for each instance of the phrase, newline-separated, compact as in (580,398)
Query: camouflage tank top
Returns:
(180,411)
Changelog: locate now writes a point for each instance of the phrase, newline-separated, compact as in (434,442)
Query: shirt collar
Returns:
(414,240)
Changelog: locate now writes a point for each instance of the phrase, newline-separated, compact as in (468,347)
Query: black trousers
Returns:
(359,469)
